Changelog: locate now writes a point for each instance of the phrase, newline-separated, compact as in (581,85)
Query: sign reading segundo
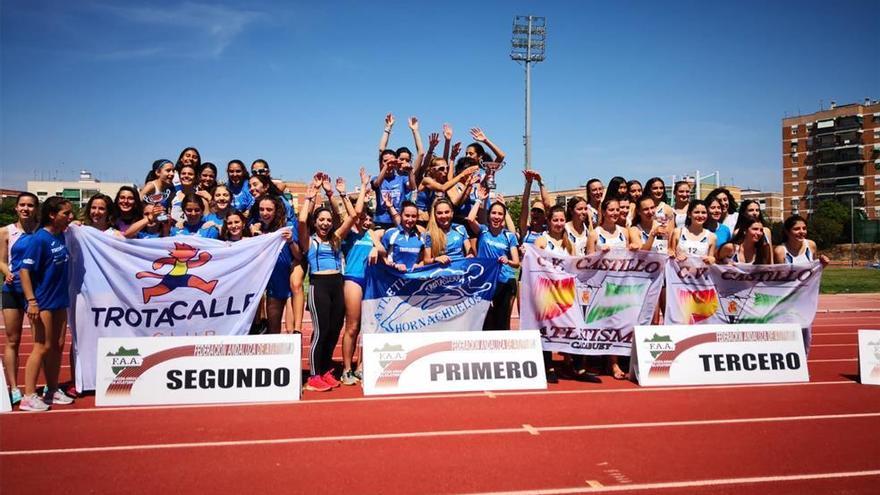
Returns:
(452,362)
(196,370)
(719,354)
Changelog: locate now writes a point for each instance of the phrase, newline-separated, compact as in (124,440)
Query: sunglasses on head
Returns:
(261,171)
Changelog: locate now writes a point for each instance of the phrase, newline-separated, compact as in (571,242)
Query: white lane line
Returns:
(687,484)
(531,430)
(460,395)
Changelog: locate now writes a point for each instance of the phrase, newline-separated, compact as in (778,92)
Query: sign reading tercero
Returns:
(869,357)
(452,362)
(717,354)
(187,370)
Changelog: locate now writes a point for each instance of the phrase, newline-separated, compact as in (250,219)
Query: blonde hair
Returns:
(438,236)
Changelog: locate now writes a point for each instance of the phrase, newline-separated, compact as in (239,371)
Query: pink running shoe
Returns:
(329,379)
(317,384)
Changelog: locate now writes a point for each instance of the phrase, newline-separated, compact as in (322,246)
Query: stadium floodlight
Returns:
(527,47)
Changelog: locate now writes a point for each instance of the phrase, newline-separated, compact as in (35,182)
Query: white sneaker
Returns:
(58,398)
(33,402)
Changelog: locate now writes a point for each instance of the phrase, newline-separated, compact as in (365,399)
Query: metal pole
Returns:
(852,235)
(528,136)
(698,188)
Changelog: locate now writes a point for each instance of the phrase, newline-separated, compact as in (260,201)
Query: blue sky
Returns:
(630,88)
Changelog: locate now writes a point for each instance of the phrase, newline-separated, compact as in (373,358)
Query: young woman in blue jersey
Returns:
(445,241)
(221,206)
(234,228)
(748,246)
(402,245)
(100,214)
(187,186)
(796,248)
(207,178)
(694,239)
(44,281)
(13,245)
(609,236)
(261,167)
(645,233)
(358,247)
(320,241)
(268,216)
(129,208)
(403,154)
(495,241)
(436,184)
(194,221)
(532,224)
(577,226)
(389,182)
(149,227)
(237,181)
(713,223)
(160,181)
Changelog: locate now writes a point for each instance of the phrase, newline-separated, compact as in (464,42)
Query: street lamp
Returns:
(527,47)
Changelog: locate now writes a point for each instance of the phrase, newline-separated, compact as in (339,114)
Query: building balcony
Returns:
(849,122)
(830,141)
(834,156)
(836,171)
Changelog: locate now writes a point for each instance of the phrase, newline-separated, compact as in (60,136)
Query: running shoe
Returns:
(359,374)
(552,377)
(329,379)
(348,378)
(583,375)
(317,384)
(58,398)
(15,396)
(33,402)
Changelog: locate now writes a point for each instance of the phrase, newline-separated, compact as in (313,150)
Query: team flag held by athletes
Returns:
(589,305)
(438,298)
(162,287)
(697,293)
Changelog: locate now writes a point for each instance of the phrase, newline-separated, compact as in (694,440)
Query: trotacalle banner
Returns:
(696,293)
(436,298)
(161,287)
(589,305)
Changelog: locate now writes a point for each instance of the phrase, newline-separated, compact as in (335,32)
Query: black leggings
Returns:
(327,306)
(498,316)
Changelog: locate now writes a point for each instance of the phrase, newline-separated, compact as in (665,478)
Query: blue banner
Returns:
(435,298)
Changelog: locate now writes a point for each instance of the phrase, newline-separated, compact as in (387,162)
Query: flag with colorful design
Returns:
(702,294)
(589,305)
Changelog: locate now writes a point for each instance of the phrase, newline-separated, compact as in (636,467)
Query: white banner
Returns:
(172,286)
(589,305)
(198,370)
(452,362)
(719,354)
(696,293)
(869,357)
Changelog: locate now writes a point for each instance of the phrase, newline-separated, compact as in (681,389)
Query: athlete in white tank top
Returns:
(579,241)
(14,234)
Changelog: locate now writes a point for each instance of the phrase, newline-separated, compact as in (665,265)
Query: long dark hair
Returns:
(244,169)
(137,209)
(731,203)
(245,231)
(744,206)
(651,181)
(51,207)
(334,241)
(111,209)
(280,218)
(266,181)
(711,224)
(151,175)
(739,237)
(570,206)
(614,185)
(693,204)
(789,224)
(197,164)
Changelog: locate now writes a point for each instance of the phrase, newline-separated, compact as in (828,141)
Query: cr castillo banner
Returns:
(435,298)
(589,305)
(741,294)
(171,286)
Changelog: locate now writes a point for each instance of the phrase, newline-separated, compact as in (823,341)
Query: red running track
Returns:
(819,437)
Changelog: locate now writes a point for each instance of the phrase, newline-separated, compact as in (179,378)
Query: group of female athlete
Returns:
(430,207)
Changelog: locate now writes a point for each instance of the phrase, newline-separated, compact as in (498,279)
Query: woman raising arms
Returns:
(445,241)
(320,241)
(533,223)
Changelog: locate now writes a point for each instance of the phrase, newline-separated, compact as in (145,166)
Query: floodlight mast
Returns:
(527,46)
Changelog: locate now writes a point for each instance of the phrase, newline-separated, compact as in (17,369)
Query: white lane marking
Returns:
(439,433)
(687,484)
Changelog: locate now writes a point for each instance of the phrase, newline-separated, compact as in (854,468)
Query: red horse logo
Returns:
(182,260)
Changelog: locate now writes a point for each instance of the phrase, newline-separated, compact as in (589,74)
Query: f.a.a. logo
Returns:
(390,353)
(659,344)
(124,358)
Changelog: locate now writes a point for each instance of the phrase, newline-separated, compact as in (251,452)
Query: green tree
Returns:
(828,223)
(514,207)
(7,211)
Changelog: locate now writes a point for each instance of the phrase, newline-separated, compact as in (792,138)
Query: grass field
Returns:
(840,280)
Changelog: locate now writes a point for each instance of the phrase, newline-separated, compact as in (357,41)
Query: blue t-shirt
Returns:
(398,187)
(46,259)
(322,256)
(241,196)
(356,247)
(455,240)
(425,198)
(292,220)
(198,230)
(530,237)
(19,249)
(215,218)
(143,234)
(404,247)
(722,235)
(496,246)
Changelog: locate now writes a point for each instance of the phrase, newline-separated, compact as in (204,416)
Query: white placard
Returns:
(869,357)
(409,363)
(719,354)
(5,403)
(196,370)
